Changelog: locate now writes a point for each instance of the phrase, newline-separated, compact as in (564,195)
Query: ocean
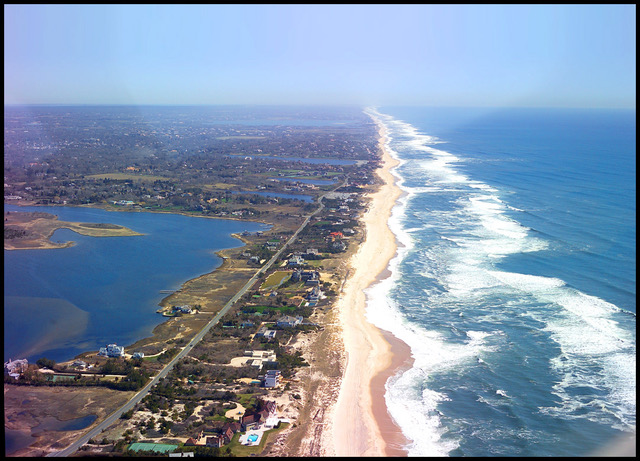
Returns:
(515,282)
(59,303)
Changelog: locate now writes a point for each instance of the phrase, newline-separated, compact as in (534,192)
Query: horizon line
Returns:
(304,105)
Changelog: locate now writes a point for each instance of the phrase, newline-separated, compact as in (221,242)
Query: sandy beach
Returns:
(361,425)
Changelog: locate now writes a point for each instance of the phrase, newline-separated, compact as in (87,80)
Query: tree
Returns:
(45,363)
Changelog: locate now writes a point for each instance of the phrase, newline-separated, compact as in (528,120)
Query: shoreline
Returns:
(362,425)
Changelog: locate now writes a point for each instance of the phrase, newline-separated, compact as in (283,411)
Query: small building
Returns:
(138,355)
(270,334)
(79,364)
(338,246)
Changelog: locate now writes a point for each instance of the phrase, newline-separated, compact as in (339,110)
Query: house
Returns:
(310,277)
(314,294)
(79,364)
(296,260)
(251,421)
(271,407)
(16,367)
(112,350)
(138,355)
(191,442)
(270,334)
(186,309)
(272,378)
(312,251)
(229,429)
(287,321)
(214,441)
(338,246)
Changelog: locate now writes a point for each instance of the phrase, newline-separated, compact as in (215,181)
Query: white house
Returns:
(272,378)
(112,350)
(16,367)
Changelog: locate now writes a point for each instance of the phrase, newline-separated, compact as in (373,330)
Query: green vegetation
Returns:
(275,279)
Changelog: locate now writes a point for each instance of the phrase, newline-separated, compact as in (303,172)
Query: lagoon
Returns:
(62,302)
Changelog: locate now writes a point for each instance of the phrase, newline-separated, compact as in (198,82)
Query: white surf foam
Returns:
(483,233)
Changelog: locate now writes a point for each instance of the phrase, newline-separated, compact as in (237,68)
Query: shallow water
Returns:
(61,302)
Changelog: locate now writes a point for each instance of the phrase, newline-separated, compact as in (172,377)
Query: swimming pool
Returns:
(252,438)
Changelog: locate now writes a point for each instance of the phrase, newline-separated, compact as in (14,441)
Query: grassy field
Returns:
(275,279)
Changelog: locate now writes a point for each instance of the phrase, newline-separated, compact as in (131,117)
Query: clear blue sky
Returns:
(435,55)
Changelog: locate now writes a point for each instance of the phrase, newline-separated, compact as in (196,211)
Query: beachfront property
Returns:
(257,419)
(287,321)
(272,378)
(314,295)
(338,246)
(112,350)
(15,368)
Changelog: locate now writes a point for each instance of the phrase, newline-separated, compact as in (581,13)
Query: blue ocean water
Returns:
(515,281)
(61,302)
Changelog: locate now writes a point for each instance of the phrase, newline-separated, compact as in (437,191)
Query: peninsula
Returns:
(33,230)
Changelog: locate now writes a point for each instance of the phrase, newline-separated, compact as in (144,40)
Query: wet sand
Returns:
(361,424)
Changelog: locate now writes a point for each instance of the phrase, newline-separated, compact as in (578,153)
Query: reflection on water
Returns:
(59,324)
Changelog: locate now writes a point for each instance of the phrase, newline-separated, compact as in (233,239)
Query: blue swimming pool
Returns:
(252,438)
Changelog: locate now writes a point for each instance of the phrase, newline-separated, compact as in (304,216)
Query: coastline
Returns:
(362,425)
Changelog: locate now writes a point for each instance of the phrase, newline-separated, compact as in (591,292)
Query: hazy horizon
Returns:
(574,56)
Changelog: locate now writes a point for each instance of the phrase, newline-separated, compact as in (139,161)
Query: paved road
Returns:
(97,431)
